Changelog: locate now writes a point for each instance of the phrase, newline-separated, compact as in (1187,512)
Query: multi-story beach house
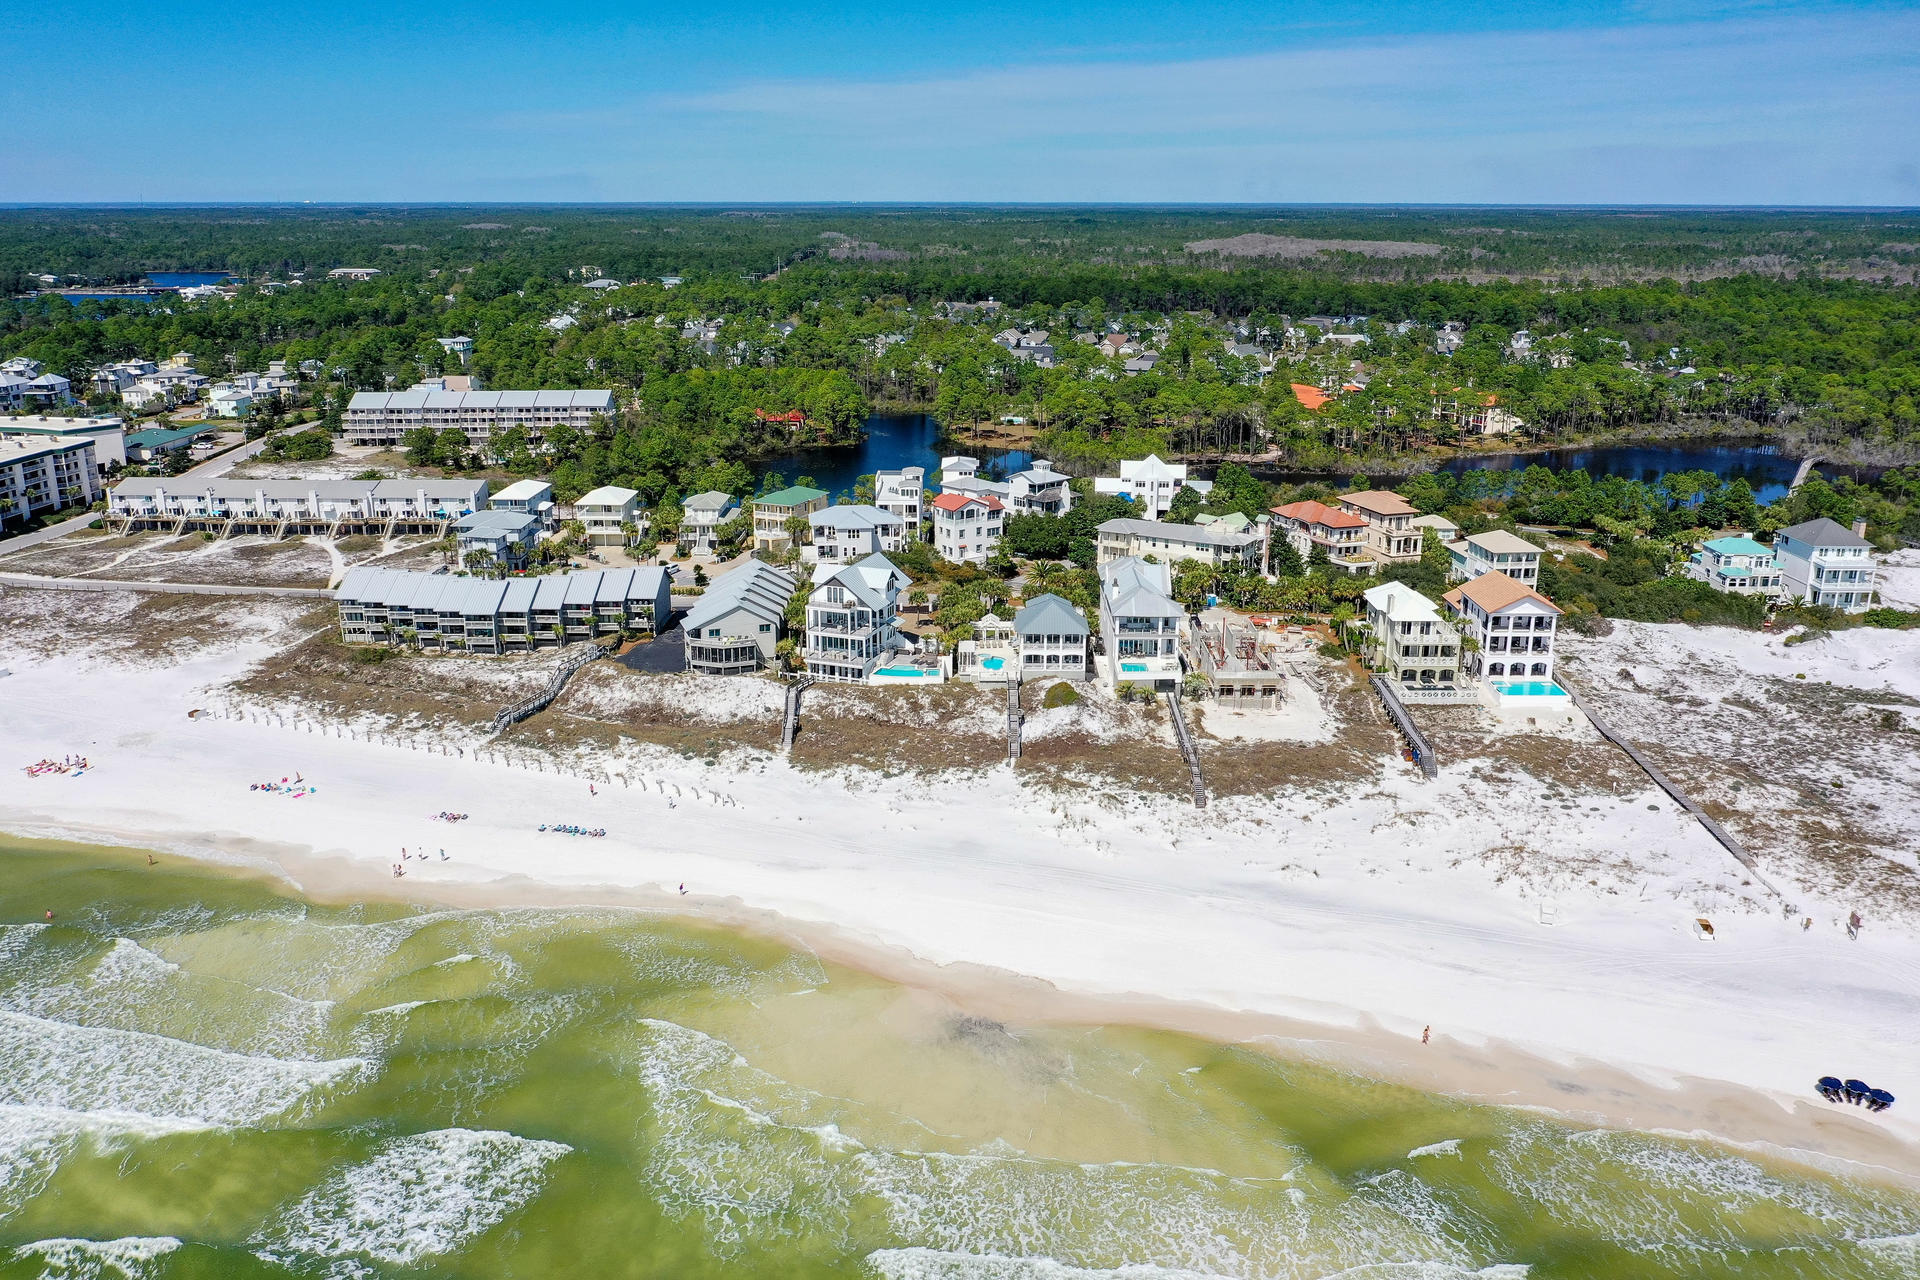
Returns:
(701,515)
(1052,639)
(852,619)
(1408,639)
(1495,551)
(1122,538)
(1824,563)
(1511,627)
(384,417)
(1737,565)
(1039,490)
(903,493)
(1149,484)
(505,538)
(961,475)
(854,531)
(966,529)
(1391,537)
(1315,526)
(735,627)
(1140,624)
(478,615)
(607,514)
(45,473)
(160,500)
(528,498)
(771,511)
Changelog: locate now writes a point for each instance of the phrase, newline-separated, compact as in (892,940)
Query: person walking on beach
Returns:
(683,889)
(683,893)
(1426,1033)
(149,859)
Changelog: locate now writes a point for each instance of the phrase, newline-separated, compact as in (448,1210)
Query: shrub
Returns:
(371,655)
(1898,619)
(1061,694)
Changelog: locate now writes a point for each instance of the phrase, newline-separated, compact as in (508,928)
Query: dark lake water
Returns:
(187,279)
(1763,466)
(893,441)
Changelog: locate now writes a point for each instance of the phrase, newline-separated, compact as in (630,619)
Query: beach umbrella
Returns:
(1857,1089)
(1879,1099)
(1830,1087)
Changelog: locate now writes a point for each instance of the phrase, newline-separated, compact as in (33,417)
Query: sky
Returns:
(1495,102)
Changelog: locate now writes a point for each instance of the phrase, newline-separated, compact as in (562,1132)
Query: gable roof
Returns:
(867,579)
(1738,545)
(1381,502)
(711,500)
(1049,615)
(756,588)
(1824,533)
(960,501)
(855,517)
(1132,588)
(1494,591)
(1401,603)
(608,495)
(1310,512)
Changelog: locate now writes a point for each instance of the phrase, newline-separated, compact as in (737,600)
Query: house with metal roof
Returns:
(853,621)
(477,615)
(506,537)
(852,531)
(1737,565)
(1824,563)
(1140,624)
(701,515)
(384,417)
(735,627)
(1408,639)
(771,511)
(1167,542)
(528,497)
(607,513)
(1052,639)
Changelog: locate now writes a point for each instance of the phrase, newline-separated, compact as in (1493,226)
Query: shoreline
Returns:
(1480,1070)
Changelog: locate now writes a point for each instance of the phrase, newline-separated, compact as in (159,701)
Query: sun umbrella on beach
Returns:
(1879,1099)
(1857,1090)
(1830,1088)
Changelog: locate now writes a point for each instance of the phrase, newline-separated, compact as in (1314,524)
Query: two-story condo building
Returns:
(903,493)
(383,417)
(1391,537)
(479,615)
(607,513)
(1737,565)
(701,515)
(735,627)
(1039,490)
(1149,484)
(507,537)
(1140,624)
(1226,548)
(158,499)
(771,511)
(109,435)
(528,498)
(853,532)
(46,473)
(852,619)
(1823,563)
(1495,551)
(1410,641)
(1512,627)
(1314,526)
(966,529)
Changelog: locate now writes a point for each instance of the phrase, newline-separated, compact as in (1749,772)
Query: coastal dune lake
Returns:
(205,1075)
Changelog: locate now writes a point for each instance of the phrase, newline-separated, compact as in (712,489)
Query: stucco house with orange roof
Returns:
(1477,413)
(1512,627)
(1312,526)
(1310,398)
(966,527)
(1391,537)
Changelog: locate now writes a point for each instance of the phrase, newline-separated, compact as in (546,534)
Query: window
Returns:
(766,627)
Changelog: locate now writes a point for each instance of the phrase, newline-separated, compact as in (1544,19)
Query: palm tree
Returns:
(480,562)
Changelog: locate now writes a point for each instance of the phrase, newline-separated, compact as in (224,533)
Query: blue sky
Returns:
(1053,100)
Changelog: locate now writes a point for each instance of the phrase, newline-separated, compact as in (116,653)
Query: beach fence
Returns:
(482,752)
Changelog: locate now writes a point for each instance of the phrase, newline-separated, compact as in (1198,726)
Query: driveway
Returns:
(663,655)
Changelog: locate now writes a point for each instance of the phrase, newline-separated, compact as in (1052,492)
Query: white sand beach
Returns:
(1341,926)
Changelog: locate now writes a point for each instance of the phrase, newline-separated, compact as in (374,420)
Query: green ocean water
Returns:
(203,1075)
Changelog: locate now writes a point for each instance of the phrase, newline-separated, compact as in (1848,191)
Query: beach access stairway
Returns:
(1188,751)
(1016,718)
(790,718)
(1666,784)
(1403,720)
(572,658)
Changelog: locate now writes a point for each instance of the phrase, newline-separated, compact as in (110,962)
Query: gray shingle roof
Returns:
(1049,615)
(1824,533)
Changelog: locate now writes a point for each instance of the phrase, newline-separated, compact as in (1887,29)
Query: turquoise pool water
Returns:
(913,673)
(1133,666)
(992,664)
(1529,688)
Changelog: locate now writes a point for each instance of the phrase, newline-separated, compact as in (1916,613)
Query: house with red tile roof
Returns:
(967,527)
(1312,526)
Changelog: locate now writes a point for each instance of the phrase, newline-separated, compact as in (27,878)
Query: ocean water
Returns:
(203,1075)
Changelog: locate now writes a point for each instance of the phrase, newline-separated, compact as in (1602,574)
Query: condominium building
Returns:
(384,417)
(1315,526)
(1140,624)
(966,529)
(1391,537)
(478,615)
(852,619)
(162,499)
(1495,551)
(1224,548)
(1409,640)
(108,434)
(854,531)
(608,513)
(1824,563)
(771,511)
(1511,625)
(1736,565)
(735,627)
(902,492)
(46,473)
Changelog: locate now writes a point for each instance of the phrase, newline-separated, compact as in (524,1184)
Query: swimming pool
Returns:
(907,673)
(992,664)
(1529,689)
(1133,666)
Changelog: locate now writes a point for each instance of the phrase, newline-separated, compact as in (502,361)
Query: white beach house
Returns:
(1824,563)
(1039,490)
(1409,640)
(1149,484)
(701,515)
(852,619)
(1140,624)
(507,537)
(966,528)
(1495,551)
(903,493)
(1052,639)
(528,498)
(1511,625)
(607,513)
(1737,565)
(852,532)
(735,627)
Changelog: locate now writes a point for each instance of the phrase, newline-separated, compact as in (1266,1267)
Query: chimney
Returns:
(1860,528)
